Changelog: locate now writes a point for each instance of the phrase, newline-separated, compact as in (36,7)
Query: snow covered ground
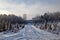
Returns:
(29,33)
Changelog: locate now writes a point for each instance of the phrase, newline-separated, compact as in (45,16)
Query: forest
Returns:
(7,21)
(49,17)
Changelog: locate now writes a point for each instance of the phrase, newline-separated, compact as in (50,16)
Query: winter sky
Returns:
(29,7)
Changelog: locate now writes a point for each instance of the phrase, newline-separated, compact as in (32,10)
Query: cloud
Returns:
(30,2)
(29,7)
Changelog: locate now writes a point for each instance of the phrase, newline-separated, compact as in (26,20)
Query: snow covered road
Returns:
(29,33)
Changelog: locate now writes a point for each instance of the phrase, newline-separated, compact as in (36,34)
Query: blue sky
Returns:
(50,2)
(30,7)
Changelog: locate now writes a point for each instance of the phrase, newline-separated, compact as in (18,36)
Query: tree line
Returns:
(47,17)
(7,20)
(11,19)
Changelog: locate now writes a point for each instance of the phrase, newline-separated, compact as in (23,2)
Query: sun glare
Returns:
(4,12)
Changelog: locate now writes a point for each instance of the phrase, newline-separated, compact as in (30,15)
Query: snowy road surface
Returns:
(29,33)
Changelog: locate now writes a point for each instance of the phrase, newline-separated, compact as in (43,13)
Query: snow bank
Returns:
(30,33)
